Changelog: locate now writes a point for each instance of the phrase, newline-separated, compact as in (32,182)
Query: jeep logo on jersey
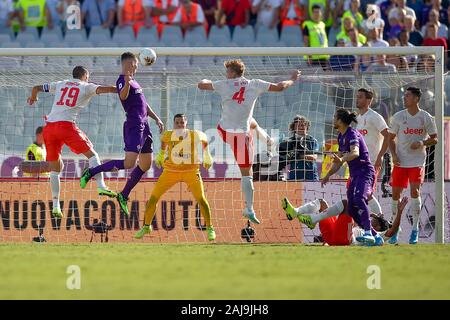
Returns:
(363,131)
(413,131)
(138,90)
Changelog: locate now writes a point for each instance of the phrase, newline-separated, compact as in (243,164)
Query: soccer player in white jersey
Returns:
(71,96)
(374,129)
(412,130)
(238,100)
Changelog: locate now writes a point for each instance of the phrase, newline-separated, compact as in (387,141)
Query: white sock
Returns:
(332,211)
(394,209)
(93,162)
(374,206)
(416,204)
(54,183)
(310,207)
(247,189)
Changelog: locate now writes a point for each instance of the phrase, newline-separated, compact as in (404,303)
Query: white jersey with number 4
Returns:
(410,129)
(370,125)
(71,96)
(238,100)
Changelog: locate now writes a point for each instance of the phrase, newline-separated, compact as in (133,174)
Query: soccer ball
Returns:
(147,57)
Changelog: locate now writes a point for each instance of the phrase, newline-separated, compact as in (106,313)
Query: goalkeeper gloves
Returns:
(160,157)
(207,160)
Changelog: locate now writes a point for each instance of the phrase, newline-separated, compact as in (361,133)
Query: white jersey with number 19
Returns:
(71,96)
(238,100)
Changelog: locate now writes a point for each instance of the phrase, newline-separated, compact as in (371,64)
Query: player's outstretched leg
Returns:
(144,230)
(123,203)
(288,208)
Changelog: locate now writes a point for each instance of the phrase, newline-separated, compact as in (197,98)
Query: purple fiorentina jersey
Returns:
(362,163)
(135,104)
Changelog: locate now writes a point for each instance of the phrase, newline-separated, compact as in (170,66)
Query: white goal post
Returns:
(292,51)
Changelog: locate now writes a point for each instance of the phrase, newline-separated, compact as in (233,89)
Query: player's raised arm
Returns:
(282,85)
(106,89)
(34,92)
(205,85)
(123,92)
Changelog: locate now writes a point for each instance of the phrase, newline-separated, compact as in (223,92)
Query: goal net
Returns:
(170,87)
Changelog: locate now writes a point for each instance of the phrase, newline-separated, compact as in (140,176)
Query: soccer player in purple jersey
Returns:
(353,150)
(136,131)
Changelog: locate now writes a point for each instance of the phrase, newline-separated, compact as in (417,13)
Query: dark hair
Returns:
(415,91)
(316,6)
(367,92)
(179,115)
(79,71)
(39,130)
(299,118)
(384,224)
(127,55)
(346,116)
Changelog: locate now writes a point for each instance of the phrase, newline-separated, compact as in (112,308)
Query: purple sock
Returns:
(134,178)
(107,167)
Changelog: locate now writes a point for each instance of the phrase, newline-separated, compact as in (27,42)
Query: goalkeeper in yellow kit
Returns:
(182,165)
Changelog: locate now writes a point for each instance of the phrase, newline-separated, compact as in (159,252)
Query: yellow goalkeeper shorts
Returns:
(169,178)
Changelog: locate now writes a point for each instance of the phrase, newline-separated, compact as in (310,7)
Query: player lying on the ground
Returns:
(182,165)
(71,96)
(238,96)
(337,226)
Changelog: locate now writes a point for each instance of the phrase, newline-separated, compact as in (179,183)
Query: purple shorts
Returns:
(361,185)
(137,137)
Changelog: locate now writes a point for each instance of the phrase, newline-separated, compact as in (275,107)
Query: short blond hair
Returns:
(236,65)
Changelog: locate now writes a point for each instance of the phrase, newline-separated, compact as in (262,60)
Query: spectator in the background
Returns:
(347,25)
(267,11)
(297,152)
(400,5)
(236,13)
(432,39)
(36,152)
(292,13)
(404,42)
(396,22)
(417,6)
(52,6)
(354,39)
(373,19)
(355,14)
(190,16)
(35,13)
(434,5)
(415,37)
(385,8)
(135,13)
(326,11)
(375,40)
(315,35)
(343,63)
(163,12)
(6,12)
(381,66)
(98,13)
(433,18)
(209,9)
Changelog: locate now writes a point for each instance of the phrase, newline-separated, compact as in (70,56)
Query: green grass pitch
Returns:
(216,271)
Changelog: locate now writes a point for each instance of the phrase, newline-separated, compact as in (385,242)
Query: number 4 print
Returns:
(239,95)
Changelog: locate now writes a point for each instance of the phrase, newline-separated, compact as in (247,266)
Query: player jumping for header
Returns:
(136,132)
(238,100)
(71,96)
